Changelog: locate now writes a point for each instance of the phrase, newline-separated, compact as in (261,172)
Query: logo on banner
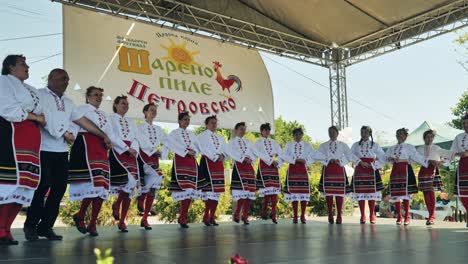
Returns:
(179,71)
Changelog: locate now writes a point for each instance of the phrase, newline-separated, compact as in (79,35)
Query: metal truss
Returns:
(197,21)
(420,28)
(338,94)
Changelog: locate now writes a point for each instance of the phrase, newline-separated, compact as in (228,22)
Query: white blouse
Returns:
(181,141)
(460,143)
(300,150)
(211,144)
(240,148)
(405,152)
(150,137)
(337,150)
(123,129)
(267,149)
(434,152)
(102,121)
(59,113)
(17,99)
(368,150)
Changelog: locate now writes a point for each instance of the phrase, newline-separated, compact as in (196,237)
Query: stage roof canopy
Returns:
(300,29)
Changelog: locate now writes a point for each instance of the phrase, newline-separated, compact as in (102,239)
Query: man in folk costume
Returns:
(212,147)
(21,117)
(150,137)
(429,179)
(367,183)
(89,163)
(402,184)
(124,169)
(298,154)
(460,148)
(268,180)
(184,176)
(56,135)
(334,182)
(243,189)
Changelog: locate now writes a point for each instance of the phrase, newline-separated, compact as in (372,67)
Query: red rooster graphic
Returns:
(226,83)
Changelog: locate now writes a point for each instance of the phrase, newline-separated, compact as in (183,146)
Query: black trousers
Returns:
(54,176)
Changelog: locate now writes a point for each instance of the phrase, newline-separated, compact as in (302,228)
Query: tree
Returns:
(459,111)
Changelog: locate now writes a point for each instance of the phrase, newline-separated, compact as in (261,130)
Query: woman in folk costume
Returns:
(429,179)
(268,180)
(243,189)
(20,118)
(89,163)
(402,180)
(150,137)
(367,183)
(298,154)
(212,147)
(460,148)
(334,182)
(123,161)
(184,175)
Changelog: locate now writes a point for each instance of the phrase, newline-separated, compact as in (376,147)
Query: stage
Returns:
(260,242)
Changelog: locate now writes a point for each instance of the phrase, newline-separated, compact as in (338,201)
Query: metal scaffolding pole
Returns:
(338,94)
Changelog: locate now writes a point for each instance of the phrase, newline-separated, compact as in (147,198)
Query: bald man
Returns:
(56,136)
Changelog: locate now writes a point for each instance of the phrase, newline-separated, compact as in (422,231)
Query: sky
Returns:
(404,88)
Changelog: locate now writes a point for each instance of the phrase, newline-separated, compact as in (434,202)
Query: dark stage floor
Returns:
(261,242)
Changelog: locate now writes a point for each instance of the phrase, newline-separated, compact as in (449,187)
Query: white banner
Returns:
(177,71)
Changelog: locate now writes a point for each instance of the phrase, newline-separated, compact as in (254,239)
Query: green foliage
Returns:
(459,111)
(105,258)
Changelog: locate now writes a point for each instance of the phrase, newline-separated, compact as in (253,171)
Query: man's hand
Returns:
(40,119)
(69,138)
(220,158)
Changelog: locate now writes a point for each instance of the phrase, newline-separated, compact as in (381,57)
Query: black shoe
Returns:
(49,234)
(207,223)
(122,227)
(30,233)
(294,220)
(91,229)
(214,223)
(184,226)
(5,241)
(152,213)
(145,224)
(78,225)
(274,221)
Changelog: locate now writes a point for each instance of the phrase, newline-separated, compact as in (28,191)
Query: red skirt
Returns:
(402,180)
(213,174)
(334,180)
(19,153)
(366,180)
(89,161)
(243,177)
(461,179)
(297,179)
(151,161)
(184,173)
(267,176)
(429,179)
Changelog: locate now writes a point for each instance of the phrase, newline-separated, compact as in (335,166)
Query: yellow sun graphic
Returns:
(179,54)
